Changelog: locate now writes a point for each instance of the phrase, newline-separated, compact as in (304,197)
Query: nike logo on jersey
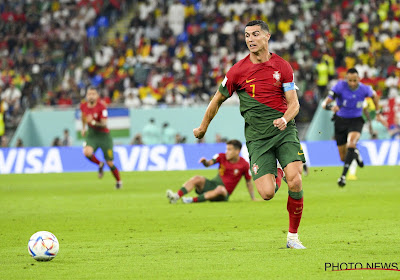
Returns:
(248,81)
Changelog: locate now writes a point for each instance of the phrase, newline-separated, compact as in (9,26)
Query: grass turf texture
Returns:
(134,233)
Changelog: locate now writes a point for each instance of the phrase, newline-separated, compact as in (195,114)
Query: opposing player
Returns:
(349,95)
(268,102)
(94,114)
(232,167)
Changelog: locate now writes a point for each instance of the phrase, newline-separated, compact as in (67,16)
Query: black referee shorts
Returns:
(343,126)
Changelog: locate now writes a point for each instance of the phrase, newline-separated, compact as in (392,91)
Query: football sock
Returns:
(353,168)
(200,198)
(295,210)
(278,179)
(347,161)
(94,159)
(115,172)
(182,192)
(292,235)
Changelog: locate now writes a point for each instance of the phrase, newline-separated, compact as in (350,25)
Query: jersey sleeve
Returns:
(336,90)
(217,158)
(103,113)
(229,84)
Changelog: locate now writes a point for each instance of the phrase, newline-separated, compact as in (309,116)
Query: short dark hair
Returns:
(352,71)
(235,143)
(92,87)
(262,24)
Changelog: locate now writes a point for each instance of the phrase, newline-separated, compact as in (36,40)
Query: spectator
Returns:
(56,142)
(168,134)
(151,133)
(2,121)
(4,141)
(66,141)
(12,96)
(19,143)
(137,140)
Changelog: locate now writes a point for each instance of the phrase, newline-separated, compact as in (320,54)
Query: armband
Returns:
(328,107)
(289,86)
(93,122)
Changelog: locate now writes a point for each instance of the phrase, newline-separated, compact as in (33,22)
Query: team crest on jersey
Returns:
(236,172)
(255,168)
(277,75)
(95,115)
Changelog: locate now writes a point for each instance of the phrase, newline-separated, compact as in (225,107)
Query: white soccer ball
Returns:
(43,246)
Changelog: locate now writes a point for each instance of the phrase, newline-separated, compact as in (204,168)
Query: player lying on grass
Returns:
(231,169)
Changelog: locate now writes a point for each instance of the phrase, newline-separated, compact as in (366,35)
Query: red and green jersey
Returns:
(231,173)
(260,88)
(98,112)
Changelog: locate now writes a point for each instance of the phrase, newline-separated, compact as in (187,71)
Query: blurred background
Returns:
(158,63)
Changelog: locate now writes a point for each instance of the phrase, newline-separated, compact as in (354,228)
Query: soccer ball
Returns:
(43,246)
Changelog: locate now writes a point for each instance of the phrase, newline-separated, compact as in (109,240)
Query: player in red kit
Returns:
(265,85)
(94,114)
(232,167)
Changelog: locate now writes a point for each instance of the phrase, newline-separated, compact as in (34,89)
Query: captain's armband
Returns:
(289,86)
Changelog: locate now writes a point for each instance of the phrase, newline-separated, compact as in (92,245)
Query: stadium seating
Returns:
(183,56)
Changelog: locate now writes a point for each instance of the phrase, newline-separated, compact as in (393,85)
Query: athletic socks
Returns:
(182,192)
(200,198)
(349,158)
(279,179)
(353,168)
(115,172)
(295,210)
(94,159)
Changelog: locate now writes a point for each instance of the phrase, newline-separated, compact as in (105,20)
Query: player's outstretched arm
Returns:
(206,162)
(210,113)
(326,104)
(249,185)
(291,111)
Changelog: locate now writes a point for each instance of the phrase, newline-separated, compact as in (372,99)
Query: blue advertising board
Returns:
(175,157)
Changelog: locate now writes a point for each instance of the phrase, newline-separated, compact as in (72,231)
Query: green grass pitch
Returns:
(134,233)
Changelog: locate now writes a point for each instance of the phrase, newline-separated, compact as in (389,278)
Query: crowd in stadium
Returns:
(177,52)
(39,42)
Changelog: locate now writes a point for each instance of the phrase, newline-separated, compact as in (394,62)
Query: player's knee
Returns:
(197,179)
(87,153)
(110,163)
(268,195)
(294,184)
(221,191)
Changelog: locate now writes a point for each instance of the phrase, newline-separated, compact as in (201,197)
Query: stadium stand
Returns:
(176,52)
(40,42)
